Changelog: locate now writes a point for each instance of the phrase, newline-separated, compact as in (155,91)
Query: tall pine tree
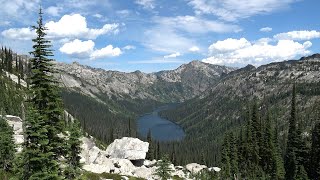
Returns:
(315,153)
(44,89)
(7,147)
(293,161)
(73,149)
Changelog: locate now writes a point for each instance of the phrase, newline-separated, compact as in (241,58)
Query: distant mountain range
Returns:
(152,89)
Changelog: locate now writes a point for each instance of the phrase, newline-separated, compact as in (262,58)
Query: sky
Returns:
(154,35)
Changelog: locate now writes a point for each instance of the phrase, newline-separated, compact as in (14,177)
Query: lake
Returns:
(161,129)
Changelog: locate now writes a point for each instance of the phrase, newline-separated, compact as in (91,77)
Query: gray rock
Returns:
(128,148)
(195,168)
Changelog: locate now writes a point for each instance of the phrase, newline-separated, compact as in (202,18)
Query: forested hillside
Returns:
(223,107)
(11,93)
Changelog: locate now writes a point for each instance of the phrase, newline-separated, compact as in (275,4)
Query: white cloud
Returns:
(147,4)
(232,10)
(53,10)
(298,35)
(69,26)
(129,47)
(266,29)
(194,49)
(99,16)
(76,26)
(194,24)
(179,31)
(228,45)
(17,9)
(78,48)
(173,55)
(243,52)
(85,49)
(165,39)
(123,13)
(107,51)
(158,61)
(19,33)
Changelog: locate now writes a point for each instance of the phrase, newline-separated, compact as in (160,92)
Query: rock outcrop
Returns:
(120,157)
(128,148)
(16,123)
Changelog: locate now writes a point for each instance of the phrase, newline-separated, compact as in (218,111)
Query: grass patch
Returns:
(95,176)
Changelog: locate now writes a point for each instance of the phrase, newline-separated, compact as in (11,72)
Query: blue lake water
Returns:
(161,129)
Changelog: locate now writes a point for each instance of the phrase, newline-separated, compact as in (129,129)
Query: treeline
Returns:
(255,153)
(13,63)
(12,94)
(11,97)
(98,119)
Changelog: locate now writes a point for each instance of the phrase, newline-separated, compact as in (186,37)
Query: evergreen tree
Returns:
(173,155)
(225,159)
(164,171)
(129,128)
(158,150)
(233,155)
(37,159)
(73,150)
(315,153)
(270,158)
(150,154)
(294,154)
(44,89)
(7,147)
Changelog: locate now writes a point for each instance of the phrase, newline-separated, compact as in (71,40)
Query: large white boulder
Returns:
(128,148)
(195,168)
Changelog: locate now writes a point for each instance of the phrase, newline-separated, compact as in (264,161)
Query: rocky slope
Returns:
(185,82)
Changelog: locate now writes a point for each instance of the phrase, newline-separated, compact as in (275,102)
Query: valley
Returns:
(159,90)
(161,129)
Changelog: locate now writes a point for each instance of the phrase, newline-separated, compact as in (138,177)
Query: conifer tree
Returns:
(37,159)
(315,153)
(293,157)
(164,171)
(158,150)
(150,154)
(225,159)
(7,147)
(44,89)
(270,158)
(234,159)
(73,149)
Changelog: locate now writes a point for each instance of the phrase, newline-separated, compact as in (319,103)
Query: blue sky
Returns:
(154,35)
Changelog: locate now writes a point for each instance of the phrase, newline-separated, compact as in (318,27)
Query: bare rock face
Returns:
(128,148)
(16,123)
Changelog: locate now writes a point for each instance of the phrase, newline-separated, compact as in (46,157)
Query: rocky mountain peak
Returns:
(312,57)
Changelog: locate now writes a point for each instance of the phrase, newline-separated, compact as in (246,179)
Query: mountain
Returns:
(99,98)
(139,92)
(223,107)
